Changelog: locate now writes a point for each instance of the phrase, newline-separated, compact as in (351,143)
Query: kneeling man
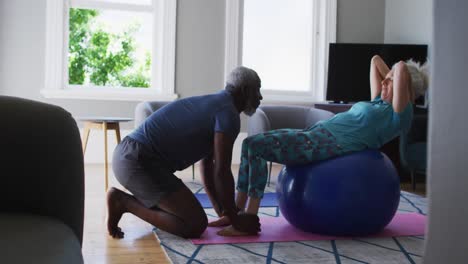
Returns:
(173,138)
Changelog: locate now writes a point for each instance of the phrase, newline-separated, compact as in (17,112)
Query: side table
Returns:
(105,124)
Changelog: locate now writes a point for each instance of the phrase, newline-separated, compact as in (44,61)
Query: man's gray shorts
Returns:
(143,172)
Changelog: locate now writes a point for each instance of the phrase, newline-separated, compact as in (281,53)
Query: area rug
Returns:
(407,249)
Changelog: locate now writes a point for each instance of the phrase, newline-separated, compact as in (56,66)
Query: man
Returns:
(173,138)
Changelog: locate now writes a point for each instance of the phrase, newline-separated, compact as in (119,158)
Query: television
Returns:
(349,67)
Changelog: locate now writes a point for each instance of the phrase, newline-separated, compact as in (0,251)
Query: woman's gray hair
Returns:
(241,78)
(419,76)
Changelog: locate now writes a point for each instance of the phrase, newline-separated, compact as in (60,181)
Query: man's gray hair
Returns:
(241,78)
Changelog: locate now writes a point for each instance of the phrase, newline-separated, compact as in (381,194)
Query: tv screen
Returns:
(349,67)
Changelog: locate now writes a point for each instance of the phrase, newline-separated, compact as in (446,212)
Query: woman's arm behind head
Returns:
(402,90)
(378,71)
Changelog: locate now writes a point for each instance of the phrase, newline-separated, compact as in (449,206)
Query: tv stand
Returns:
(338,102)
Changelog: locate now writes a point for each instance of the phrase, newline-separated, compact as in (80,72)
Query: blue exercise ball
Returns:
(351,195)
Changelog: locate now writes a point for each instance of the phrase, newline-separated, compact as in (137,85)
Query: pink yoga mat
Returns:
(277,229)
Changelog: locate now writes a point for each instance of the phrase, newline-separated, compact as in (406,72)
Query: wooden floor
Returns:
(139,245)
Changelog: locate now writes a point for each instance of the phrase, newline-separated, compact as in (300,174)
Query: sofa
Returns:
(269,117)
(42,179)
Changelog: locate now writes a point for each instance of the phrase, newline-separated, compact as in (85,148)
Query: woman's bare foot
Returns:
(116,200)
(222,221)
(231,232)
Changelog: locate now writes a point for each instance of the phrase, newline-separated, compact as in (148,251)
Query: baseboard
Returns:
(95,148)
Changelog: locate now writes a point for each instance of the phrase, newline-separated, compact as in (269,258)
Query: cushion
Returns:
(28,238)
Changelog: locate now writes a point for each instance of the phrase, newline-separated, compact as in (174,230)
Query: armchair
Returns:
(145,109)
(413,147)
(271,117)
(42,208)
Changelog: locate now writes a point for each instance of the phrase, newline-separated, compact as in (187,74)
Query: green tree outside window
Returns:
(102,58)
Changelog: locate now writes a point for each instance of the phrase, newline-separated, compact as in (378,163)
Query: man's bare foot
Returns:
(116,200)
(222,221)
(231,232)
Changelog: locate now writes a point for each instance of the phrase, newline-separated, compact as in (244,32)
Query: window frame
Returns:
(324,26)
(56,54)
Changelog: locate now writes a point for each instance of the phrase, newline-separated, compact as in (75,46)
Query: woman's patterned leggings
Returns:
(285,146)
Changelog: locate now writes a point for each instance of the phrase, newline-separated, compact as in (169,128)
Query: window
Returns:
(285,41)
(110,49)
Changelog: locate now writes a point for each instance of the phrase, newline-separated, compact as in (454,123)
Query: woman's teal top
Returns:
(369,124)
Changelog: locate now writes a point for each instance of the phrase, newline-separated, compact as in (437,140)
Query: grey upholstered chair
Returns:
(413,148)
(145,109)
(269,117)
(42,179)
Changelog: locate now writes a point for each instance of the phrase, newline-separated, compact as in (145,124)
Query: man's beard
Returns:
(250,108)
(250,111)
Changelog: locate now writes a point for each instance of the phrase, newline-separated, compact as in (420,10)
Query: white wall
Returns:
(408,21)
(361,21)
(200,47)
(21,48)
(448,126)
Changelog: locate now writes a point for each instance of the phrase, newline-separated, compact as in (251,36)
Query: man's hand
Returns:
(249,223)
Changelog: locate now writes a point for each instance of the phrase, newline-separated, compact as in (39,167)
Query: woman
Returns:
(365,125)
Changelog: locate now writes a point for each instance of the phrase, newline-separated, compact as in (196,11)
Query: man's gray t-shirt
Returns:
(182,132)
